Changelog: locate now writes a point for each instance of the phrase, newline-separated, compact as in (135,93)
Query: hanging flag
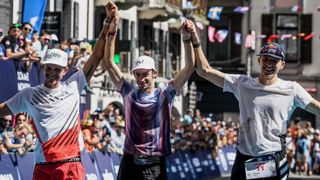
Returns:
(33,12)
(308,36)
(273,37)
(237,38)
(199,25)
(241,9)
(261,36)
(211,31)
(295,8)
(301,34)
(214,12)
(221,35)
(248,42)
(285,36)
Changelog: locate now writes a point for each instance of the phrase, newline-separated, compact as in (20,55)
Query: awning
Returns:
(159,14)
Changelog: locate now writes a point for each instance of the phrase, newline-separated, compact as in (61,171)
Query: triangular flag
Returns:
(248,42)
(237,38)
(272,37)
(221,35)
(285,36)
(211,31)
(214,12)
(261,36)
(241,9)
(199,25)
(295,8)
(308,36)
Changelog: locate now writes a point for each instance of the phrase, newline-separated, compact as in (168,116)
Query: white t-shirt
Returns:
(55,114)
(264,111)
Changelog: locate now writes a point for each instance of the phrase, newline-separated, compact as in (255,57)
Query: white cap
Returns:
(143,62)
(56,56)
(54,37)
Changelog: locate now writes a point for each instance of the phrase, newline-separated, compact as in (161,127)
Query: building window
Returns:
(227,52)
(296,50)
(288,24)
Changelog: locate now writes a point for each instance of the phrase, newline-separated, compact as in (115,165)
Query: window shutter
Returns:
(306,46)
(267,26)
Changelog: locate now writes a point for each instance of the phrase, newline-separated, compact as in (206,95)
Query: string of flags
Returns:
(214,12)
(221,34)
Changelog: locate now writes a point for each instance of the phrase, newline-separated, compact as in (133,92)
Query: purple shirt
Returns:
(148,119)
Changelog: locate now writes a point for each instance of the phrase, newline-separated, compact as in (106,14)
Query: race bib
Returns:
(261,167)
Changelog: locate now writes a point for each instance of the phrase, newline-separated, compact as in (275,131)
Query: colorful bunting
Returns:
(241,9)
(214,12)
(237,38)
(199,25)
(221,35)
(273,37)
(285,36)
(211,31)
(248,42)
(261,36)
(308,36)
(295,8)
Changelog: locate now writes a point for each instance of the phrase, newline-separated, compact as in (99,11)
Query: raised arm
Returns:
(314,107)
(189,67)
(108,63)
(202,66)
(98,51)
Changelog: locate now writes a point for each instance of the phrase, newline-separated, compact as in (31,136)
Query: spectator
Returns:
(5,124)
(303,146)
(2,48)
(21,140)
(117,137)
(91,136)
(42,47)
(21,119)
(11,45)
(26,30)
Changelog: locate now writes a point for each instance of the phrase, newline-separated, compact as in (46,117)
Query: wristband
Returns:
(112,34)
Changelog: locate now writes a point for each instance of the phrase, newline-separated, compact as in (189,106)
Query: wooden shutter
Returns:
(267,26)
(306,46)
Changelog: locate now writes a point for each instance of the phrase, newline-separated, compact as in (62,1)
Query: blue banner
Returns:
(89,165)
(33,12)
(105,166)
(8,169)
(26,166)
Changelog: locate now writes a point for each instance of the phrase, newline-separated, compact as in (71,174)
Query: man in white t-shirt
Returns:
(54,108)
(266,104)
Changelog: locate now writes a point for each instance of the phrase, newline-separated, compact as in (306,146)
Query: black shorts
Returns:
(130,170)
(282,166)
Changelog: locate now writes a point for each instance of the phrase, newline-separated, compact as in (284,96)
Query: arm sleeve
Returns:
(80,78)
(301,98)
(231,83)
(18,103)
(127,87)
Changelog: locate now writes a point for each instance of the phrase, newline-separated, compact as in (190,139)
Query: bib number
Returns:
(261,167)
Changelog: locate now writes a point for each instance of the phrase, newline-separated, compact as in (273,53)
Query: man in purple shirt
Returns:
(147,111)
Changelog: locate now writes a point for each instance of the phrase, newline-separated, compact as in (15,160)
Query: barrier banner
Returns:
(8,79)
(196,165)
(230,154)
(105,166)
(172,167)
(89,166)
(188,166)
(26,166)
(210,167)
(7,168)
(116,158)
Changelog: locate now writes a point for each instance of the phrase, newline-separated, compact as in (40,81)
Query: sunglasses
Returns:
(27,29)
